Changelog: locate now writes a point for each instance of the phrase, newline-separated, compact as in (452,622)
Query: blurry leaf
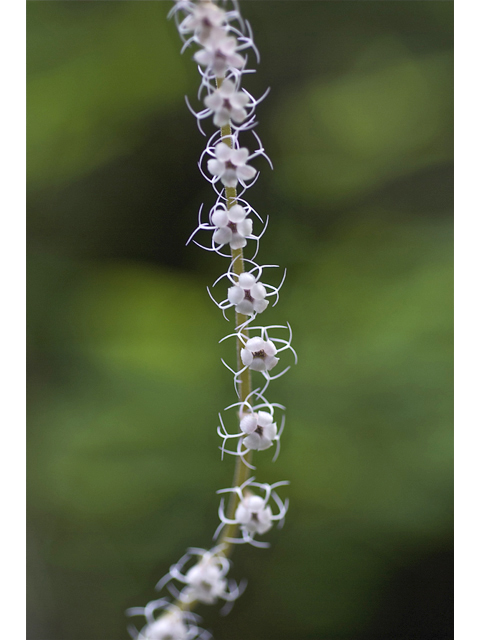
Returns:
(138,319)
(373,389)
(345,138)
(109,448)
(90,94)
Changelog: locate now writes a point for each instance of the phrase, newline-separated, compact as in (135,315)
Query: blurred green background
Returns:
(124,365)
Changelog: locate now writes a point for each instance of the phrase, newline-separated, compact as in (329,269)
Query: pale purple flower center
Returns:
(248,295)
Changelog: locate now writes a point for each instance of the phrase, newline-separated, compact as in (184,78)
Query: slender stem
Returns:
(242,472)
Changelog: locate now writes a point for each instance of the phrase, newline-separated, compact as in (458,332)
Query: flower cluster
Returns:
(261,353)
(253,514)
(258,427)
(205,580)
(173,623)
(223,42)
(247,294)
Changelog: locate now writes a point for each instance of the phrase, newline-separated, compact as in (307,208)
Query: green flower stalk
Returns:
(224,40)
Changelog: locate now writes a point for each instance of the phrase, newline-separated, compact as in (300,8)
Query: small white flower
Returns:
(205,581)
(227,104)
(248,295)
(259,354)
(232,226)
(219,53)
(260,430)
(173,623)
(204,18)
(230,165)
(168,627)
(253,513)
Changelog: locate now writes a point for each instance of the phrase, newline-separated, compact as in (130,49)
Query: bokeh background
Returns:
(124,361)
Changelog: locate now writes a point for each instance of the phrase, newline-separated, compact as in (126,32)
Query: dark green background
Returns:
(125,373)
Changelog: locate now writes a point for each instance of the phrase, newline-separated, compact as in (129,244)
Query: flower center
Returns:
(248,295)
(229,165)
(232,226)
(259,430)
(259,354)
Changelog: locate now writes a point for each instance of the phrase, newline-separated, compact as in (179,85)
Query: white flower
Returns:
(204,18)
(253,513)
(230,165)
(259,354)
(232,226)
(260,430)
(227,104)
(220,53)
(172,624)
(168,627)
(205,581)
(248,295)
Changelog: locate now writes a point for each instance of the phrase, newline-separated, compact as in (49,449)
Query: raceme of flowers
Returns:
(223,43)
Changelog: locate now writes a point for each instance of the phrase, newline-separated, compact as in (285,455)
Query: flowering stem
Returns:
(242,472)
(222,34)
